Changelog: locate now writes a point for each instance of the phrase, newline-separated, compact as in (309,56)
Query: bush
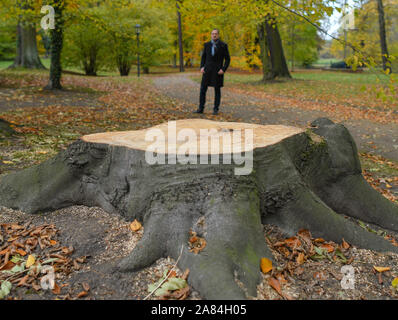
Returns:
(7,42)
(86,46)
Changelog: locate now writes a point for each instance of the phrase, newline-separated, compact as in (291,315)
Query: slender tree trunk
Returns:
(27,55)
(181,50)
(56,48)
(292,63)
(383,40)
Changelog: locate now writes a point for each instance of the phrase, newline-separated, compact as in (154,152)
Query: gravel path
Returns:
(376,138)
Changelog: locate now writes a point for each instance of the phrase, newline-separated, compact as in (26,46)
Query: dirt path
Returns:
(376,138)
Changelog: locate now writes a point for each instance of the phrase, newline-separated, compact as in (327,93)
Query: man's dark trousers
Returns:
(217,97)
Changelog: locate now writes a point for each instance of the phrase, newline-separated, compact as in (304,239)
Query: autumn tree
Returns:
(85,46)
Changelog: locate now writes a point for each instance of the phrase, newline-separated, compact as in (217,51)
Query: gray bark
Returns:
(27,55)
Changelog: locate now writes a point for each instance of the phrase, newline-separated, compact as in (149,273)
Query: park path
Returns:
(376,138)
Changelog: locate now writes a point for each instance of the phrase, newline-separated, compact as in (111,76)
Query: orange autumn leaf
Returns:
(21,252)
(172,274)
(7,266)
(300,258)
(381,269)
(4,251)
(193,239)
(275,284)
(328,247)
(82,294)
(135,225)
(56,289)
(293,242)
(345,245)
(266,265)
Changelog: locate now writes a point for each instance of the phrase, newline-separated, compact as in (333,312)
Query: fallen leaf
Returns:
(274,283)
(82,294)
(293,242)
(56,289)
(394,283)
(85,286)
(135,225)
(21,252)
(193,239)
(172,274)
(381,269)
(328,247)
(345,245)
(266,265)
(4,251)
(300,258)
(30,261)
(7,266)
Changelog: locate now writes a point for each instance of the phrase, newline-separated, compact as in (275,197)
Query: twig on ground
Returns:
(168,275)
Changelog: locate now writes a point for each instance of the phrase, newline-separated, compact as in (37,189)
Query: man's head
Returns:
(215,34)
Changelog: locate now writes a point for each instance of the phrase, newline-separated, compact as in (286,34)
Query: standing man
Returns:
(214,63)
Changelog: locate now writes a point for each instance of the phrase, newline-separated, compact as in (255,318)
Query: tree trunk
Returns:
(56,35)
(265,54)
(27,55)
(180,45)
(383,39)
(278,60)
(300,179)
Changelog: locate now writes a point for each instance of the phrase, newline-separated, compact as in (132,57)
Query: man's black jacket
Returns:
(213,64)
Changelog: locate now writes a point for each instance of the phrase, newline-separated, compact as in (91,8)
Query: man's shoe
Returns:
(215,112)
(198,111)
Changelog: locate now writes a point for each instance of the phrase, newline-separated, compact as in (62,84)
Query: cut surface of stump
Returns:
(295,179)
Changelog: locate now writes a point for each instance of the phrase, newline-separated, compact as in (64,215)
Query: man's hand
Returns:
(221,71)
(202,70)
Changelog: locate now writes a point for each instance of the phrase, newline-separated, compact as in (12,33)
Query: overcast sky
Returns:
(334,22)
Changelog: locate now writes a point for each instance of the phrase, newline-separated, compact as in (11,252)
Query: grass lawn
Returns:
(356,89)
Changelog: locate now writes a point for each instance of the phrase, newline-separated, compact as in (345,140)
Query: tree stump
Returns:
(301,179)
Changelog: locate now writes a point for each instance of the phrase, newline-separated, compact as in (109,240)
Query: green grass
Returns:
(155,70)
(5,64)
(340,87)
(315,75)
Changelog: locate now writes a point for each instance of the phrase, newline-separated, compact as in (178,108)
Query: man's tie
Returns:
(212,48)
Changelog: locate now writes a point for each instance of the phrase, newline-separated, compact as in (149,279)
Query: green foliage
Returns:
(171,284)
(104,37)
(85,46)
(119,24)
(300,42)
(7,41)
